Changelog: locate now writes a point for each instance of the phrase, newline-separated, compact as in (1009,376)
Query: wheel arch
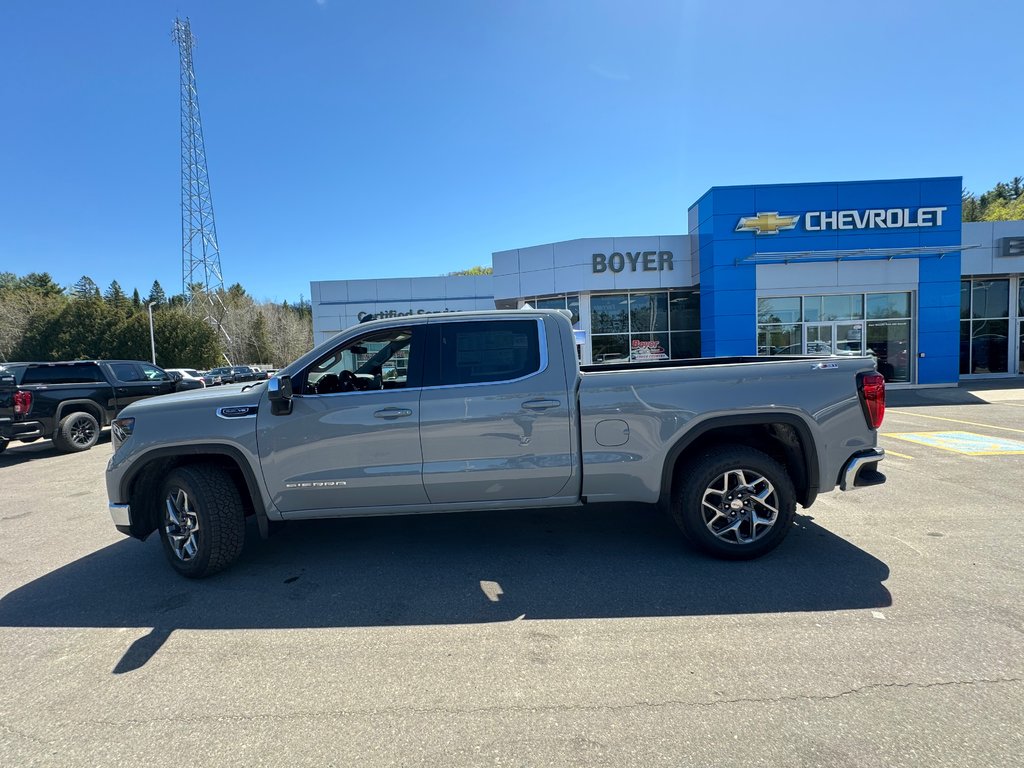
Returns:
(784,436)
(67,407)
(141,485)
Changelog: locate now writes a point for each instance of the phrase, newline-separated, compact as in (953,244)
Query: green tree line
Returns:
(1004,202)
(42,320)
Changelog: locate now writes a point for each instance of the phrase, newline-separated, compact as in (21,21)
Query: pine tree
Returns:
(85,288)
(136,299)
(115,297)
(157,295)
(42,282)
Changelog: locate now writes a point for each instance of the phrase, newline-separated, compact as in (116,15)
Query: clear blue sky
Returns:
(379,139)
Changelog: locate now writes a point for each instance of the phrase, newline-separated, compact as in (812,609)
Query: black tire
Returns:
(3,444)
(211,520)
(77,431)
(732,478)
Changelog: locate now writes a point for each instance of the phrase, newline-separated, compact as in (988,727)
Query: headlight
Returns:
(121,430)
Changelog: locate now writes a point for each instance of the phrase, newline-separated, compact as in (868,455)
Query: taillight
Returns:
(872,397)
(22,403)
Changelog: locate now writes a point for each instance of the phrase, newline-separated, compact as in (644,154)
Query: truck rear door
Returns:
(495,412)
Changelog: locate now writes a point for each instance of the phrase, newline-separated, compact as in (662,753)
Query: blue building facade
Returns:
(737,231)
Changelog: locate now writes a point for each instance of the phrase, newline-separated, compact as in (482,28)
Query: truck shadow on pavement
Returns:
(597,562)
(41,450)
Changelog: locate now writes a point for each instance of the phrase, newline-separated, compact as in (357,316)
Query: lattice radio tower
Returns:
(200,254)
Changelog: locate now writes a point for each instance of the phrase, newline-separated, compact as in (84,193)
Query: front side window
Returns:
(487,351)
(378,360)
(153,373)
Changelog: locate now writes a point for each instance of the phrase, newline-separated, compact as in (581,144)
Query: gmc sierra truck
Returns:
(491,410)
(70,402)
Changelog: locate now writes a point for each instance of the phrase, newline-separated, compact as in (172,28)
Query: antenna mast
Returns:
(200,254)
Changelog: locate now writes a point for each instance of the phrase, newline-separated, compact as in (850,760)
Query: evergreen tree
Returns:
(42,282)
(85,288)
(136,299)
(116,299)
(156,294)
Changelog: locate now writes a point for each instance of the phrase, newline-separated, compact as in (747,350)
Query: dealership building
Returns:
(879,267)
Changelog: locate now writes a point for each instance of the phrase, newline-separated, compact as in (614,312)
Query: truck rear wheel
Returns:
(77,431)
(736,503)
(202,524)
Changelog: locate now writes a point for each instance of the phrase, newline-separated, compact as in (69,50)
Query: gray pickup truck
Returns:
(491,410)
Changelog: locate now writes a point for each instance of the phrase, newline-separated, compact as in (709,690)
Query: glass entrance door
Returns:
(818,339)
(849,338)
(836,338)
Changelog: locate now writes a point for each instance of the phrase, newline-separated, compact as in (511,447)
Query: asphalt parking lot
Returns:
(887,630)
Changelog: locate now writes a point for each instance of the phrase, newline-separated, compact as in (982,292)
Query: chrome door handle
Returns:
(392,413)
(541,405)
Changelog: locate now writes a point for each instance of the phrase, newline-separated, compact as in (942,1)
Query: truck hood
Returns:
(205,399)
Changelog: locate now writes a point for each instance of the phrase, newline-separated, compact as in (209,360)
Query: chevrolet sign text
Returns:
(874,218)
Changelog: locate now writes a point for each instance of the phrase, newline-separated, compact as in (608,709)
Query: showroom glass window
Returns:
(638,326)
(571,302)
(877,324)
(984,326)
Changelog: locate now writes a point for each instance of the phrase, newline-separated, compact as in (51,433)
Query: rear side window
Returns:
(491,350)
(126,372)
(62,374)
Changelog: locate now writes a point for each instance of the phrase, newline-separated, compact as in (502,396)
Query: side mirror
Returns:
(175,376)
(279,392)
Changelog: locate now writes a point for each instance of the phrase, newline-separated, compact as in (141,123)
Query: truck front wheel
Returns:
(202,523)
(736,502)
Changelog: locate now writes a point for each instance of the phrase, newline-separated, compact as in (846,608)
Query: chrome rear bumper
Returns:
(861,470)
(121,514)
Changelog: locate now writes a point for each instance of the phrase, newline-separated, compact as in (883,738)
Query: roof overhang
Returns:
(853,254)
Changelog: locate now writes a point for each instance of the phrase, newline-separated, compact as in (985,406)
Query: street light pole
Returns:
(152,339)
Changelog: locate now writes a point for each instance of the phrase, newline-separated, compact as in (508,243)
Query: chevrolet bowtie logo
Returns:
(766,223)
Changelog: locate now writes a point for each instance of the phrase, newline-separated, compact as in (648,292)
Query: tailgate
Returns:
(8,385)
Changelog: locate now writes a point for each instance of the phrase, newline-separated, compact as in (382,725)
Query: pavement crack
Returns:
(22,734)
(307,714)
(859,689)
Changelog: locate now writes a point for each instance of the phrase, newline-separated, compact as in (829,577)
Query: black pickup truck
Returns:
(70,402)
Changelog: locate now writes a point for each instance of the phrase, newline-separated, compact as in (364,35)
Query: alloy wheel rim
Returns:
(740,506)
(82,432)
(181,525)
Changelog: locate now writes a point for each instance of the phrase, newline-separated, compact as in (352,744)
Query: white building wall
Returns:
(837,277)
(339,304)
(568,267)
(990,258)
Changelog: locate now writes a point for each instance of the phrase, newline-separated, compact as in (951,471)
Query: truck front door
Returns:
(137,381)
(494,413)
(352,439)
